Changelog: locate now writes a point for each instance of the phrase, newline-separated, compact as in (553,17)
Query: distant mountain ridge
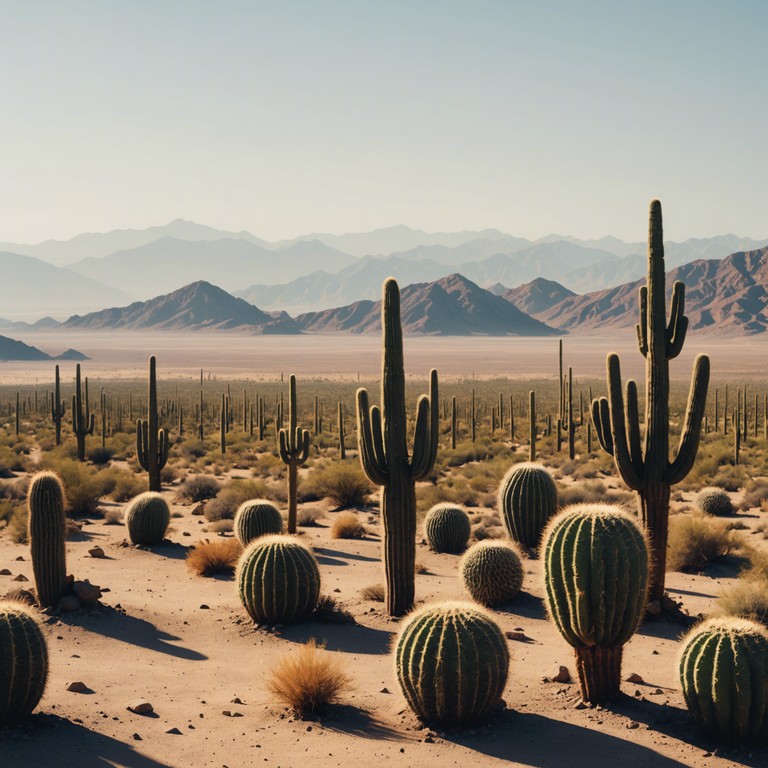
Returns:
(12,350)
(537,296)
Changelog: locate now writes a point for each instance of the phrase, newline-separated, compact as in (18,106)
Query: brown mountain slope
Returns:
(537,296)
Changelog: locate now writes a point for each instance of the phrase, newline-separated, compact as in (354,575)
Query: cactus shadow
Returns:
(337,554)
(352,721)
(170,549)
(347,638)
(525,605)
(59,743)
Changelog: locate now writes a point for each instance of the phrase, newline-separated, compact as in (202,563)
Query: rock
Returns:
(5,572)
(20,577)
(97,552)
(21,595)
(68,603)
(136,737)
(635,678)
(631,726)
(384,690)
(140,707)
(579,705)
(236,700)
(563,675)
(77,687)
(199,509)
(654,608)
(205,607)
(174,731)
(20,558)
(87,593)
(519,636)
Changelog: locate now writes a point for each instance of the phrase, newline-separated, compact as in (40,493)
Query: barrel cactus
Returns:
(714,501)
(278,580)
(724,676)
(147,519)
(23,662)
(452,662)
(596,578)
(492,572)
(45,500)
(447,528)
(255,518)
(527,499)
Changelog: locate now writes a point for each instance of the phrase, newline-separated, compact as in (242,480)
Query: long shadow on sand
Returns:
(349,638)
(358,722)
(526,605)
(59,743)
(170,549)
(326,556)
(135,631)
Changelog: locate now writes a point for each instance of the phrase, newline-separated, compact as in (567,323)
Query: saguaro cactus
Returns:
(382,441)
(57,407)
(152,443)
(82,419)
(293,445)
(646,468)
(342,446)
(532,426)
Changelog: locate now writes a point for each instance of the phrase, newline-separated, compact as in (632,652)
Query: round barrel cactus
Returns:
(714,501)
(447,528)
(46,528)
(724,676)
(147,519)
(452,662)
(278,580)
(492,572)
(527,499)
(596,579)
(23,662)
(255,518)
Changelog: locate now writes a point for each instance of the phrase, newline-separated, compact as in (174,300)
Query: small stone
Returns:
(5,572)
(654,652)
(429,740)
(236,700)
(631,726)
(635,678)
(384,690)
(563,675)
(20,558)
(140,707)
(77,687)
(68,603)
(654,608)
(199,510)
(97,552)
(579,705)
(226,713)
(337,590)
(517,635)
(20,577)
(204,607)
(87,593)
(136,737)
(174,731)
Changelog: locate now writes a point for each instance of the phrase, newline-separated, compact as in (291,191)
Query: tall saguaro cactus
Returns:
(82,419)
(646,467)
(382,439)
(152,443)
(57,407)
(293,445)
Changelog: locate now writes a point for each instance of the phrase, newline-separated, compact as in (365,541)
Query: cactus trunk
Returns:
(599,670)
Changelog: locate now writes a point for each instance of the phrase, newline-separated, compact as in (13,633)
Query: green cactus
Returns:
(23,662)
(454,422)
(293,446)
(83,421)
(255,518)
(714,501)
(152,444)
(57,406)
(492,572)
(596,579)
(645,467)
(447,528)
(383,449)
(452,662)
(46,528)
(342,446)
(532,426)
(724,675)
(278,580)
(527,499)
(147,519)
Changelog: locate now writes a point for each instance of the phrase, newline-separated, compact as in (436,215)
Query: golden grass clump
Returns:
(209,558)
(308,679)
(697,540)
(374,592)
(747,599)
(347,526)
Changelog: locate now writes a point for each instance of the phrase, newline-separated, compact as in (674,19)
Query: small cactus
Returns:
(492,572)
(714,501)
(527,499)
(45,500)
(452,662)
(447,528)
(724,675)
(23,662)
(147,519)
(596,579)
(255,518)
(278,580)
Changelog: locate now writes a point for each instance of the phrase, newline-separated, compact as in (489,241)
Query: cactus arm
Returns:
(163,446)
(633,427)
(434,437)
(678,322)
(642,326)
(282,446)
(302,443)
(370,441)
(621,454)
(601,420)
(689,439)
(142,440)
(419,464)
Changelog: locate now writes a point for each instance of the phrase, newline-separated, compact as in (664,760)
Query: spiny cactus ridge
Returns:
(147,519)
(447,528)
(255,518)
(527,499)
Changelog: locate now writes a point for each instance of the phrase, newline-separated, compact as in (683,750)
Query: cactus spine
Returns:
(45,501)
(82,418)
(452,662)
(293,445)
(152,444)
(646,468)
(384,455)
(447,528)
(57,407)
(23,662)
(596,577)
(724,676)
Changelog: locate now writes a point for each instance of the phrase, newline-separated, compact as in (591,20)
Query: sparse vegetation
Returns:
(210,558)
(347,525)
(695,541)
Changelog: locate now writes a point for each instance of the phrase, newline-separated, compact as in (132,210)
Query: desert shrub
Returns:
(307,517)
(755,494)
(17,526)
(100,455)
(373,592)
(747,598)
(308,679)
(420,568)
(730,478)
(168,474)
(127,484)
(221,526)
(213,557)
(84,485)
(330,611)
(695,541)
(231,496)
(193,449)
(714,501)
(592,492)
(344,483)
(347,526)
(197,488)
(113,516)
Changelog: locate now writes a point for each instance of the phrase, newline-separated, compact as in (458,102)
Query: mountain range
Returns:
(13,350)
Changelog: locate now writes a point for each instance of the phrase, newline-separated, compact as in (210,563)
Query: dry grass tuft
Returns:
(747,598)
(697,540)
(330,611)
(373,592)
(113,516)
(307,517)
(420,568)
(212,557)
(347,526)
(308,679)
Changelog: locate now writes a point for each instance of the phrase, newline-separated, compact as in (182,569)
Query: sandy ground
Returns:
(123,354)
(184,643)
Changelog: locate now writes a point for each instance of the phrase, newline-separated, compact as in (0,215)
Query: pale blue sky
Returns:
(289,117)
